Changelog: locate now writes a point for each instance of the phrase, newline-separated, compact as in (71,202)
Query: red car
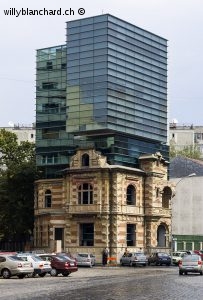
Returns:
(199,252)
(60,264)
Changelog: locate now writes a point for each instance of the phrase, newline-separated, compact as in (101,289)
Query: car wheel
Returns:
(148,263)
(180,272)
(6,274)
(185,273)
(65,274)
(31,275)
(53,272)
(201,273)
(42,274)
(21,276)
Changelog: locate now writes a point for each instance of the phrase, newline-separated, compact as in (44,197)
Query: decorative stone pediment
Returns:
(87,158)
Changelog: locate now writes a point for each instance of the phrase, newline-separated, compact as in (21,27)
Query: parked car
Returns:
(85,259)
(60,264)
(8,252)
(41,267)
(191,263)
(177,257)
(187,251)
(134,259)
(159,258)
(199,252)
(68,255)
(11,265)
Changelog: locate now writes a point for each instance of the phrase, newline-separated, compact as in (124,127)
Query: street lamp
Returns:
(190,175)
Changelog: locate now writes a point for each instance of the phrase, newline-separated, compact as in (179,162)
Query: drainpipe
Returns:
(144,210)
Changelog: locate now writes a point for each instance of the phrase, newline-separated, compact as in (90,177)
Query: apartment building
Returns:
(23,132)
(186,136)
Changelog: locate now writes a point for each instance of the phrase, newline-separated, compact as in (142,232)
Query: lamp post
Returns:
(190,175)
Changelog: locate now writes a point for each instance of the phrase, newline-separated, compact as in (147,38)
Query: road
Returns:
(107,283)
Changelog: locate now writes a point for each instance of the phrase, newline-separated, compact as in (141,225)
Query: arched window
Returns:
(85,160)
(47,199)
(85,194)
(166,196)
(161,236)
(131,195)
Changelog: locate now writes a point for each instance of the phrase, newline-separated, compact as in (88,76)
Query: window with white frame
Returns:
(85,194)
(47,199)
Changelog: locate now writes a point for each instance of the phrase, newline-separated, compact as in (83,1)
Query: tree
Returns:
(191,151)
(17,176)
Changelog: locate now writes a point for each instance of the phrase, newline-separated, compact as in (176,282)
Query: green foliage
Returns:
(191,151)
(17,176)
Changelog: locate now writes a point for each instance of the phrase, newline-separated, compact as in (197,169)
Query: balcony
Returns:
(158,211)
(98,208)
(130,209)
(49,211)
(86,208)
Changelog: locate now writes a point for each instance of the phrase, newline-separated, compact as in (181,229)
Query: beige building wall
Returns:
(109,212)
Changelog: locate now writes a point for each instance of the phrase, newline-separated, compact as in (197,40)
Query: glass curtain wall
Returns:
(117,88)
(51,109)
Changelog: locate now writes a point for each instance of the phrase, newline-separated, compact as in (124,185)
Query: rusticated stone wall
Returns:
(109,212)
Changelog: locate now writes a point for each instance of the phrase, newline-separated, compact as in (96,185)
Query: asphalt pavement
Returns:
(107,283)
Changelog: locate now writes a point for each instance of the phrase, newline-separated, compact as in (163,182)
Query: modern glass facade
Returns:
(51,135)
(116,90)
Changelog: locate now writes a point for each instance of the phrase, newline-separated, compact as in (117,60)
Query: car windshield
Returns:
(163,254)
(191,258)
(61,258)
(36,258)
(82,254)
(139,254)
(177,254)
(15,258)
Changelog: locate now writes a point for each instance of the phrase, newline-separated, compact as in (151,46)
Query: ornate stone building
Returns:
(97,205)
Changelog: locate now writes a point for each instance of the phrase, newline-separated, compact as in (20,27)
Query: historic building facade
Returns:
(97,205)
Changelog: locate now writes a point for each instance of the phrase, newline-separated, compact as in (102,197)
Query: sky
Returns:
(179,21)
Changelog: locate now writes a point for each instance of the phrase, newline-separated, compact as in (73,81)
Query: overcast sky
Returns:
(179,21)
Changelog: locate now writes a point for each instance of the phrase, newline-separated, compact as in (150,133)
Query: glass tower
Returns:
(116,93)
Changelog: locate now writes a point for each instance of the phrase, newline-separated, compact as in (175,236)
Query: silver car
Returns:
(85,259)
(134,259)
(11,265)
(191,263)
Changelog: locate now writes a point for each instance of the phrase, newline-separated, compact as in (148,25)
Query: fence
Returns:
(16,246)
